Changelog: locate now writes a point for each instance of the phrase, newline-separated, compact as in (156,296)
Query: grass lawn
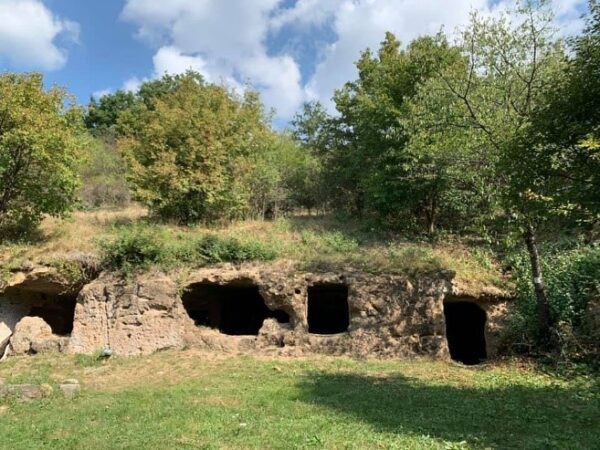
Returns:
(194,400)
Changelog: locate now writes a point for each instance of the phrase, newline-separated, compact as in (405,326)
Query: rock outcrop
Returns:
(266,308)
(389,315)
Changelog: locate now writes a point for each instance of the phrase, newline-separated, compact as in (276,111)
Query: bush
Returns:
(103,177)
(213,249)
(40,141)
(139,246)
(144,246)
(572,276)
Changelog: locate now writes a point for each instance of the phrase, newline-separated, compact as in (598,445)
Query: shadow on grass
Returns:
(519,416)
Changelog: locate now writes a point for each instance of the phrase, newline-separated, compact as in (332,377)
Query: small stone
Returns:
(70,391)
(24,392)
(47,390)
(71,381)
(3,410)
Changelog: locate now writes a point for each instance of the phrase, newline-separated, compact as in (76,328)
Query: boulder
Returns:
(70,388)
(33,335)
(5,334)
(22,392)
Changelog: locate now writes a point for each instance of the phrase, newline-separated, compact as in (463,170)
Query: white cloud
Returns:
(226,40)
(133,84)
(171,60)
(363,23)
(28,35)
(99,94)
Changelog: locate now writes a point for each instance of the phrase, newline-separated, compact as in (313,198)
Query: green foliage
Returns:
(189,153)
(572,272)
(103,175)
(103,114)
(280,177)
(140,247)
(41,137)
(212,249)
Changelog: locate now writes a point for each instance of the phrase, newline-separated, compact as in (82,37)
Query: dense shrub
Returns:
(137,246)
(41,136)
(103,176)
(572,276)
(144,246)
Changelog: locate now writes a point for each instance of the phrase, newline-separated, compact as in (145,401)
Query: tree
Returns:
(378,174)
(41,136)
(315,131)
(510,63)
(567,129)
(102,114)
(189,149)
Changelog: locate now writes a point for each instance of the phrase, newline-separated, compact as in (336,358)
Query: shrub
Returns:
(103,177)
(40,141)
(143,246)
(213,249)
(572,276)
(138,246)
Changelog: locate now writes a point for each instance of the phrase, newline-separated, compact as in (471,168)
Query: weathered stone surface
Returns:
(28,331)
(22,392)
(389,315)
(131,319)
(70,388)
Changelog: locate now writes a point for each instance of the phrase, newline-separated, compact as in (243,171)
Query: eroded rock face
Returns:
(266,308)
(130,318)
(389,315)
(33,335)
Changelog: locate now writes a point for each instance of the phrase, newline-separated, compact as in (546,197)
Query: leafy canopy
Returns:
(41,137)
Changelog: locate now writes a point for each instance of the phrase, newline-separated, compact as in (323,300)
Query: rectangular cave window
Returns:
(465,331)
(233,309)
(58,311)
(328,310)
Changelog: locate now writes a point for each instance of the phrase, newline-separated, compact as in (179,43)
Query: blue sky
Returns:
(290,50)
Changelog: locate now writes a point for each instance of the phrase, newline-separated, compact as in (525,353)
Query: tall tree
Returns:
(510,63)
(376,169)
(41,135)
(189,148)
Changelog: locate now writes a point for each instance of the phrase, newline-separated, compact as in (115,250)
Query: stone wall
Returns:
(390,315)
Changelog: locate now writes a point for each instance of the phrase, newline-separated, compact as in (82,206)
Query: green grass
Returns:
(194,400)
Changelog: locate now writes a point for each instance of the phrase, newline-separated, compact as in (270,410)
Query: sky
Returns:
(291,51)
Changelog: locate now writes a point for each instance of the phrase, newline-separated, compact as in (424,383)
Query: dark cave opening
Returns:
(328,309)
(465,331)
(233,309)
(58,311)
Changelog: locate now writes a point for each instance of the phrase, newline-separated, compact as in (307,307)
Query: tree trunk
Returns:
(543,307)
(431,215)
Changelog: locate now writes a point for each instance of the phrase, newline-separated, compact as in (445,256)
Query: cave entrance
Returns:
(233,309)
(328,310)
(465,331)
(58,311)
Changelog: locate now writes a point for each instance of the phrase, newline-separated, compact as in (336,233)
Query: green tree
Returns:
(41,136)
(102,114)
(188,150)
(377,173)
(509,64)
